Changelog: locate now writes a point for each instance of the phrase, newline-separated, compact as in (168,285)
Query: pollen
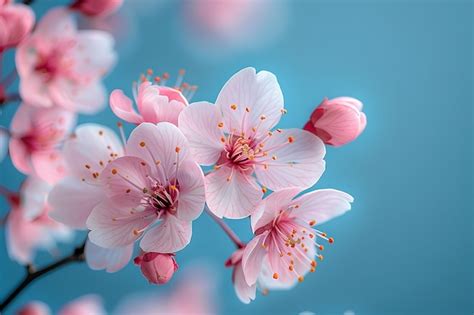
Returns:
(173,187)
(143,163)
(87,166)
(312,222)
(321,257)
(114,171)
(101,132)
(128,191)
(263,117)
(135,232)
(264,189)
(220,125)
(291,139)
(314,263)
(312,269)
(177,149)
(274,158)
(331,240)
(142,144)
(321,247)
(275,276)
(233,106)
(247,109)
(145,190)
(300,278)
(284,111)
(222,139)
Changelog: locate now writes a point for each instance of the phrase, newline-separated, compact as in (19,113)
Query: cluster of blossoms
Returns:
(150,187)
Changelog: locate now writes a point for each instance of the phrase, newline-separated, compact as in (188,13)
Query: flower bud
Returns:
(99,8)
(16,21)
(156,267)
(337,121)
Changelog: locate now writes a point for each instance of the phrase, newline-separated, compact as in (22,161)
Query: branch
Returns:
(76,256)
(230,233)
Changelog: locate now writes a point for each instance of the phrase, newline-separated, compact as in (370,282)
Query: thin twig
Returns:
(76,256)
(230,233)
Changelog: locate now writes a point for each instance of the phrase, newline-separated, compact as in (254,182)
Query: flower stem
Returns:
(76,256)
(230,233)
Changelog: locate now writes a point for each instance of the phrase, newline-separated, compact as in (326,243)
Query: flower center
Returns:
(164,199)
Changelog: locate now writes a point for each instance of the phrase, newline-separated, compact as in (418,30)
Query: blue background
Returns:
(407,245)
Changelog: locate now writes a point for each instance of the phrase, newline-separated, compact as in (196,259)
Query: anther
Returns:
(275,276)
(331,240)
(142,144)
(114,171)
(233,106)
(220,125)
(177,149)
(264,189)
(312,222)
(291,139)
(300,278)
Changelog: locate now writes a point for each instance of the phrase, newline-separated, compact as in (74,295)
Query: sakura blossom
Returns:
(337,121)
(35,138)
(236,136)
(94,8)
(157,180)
(156,102)
(156,267)
(85,305)
(60,65)
(16,22)
(28,227)
(285,234)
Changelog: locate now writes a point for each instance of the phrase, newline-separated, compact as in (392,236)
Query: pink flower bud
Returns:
(34,308)
(16,22)
(337,121)
(157,268)
(99,8)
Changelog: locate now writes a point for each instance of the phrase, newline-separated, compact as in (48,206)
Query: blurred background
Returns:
(407,245)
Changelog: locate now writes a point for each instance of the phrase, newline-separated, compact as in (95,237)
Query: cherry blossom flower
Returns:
(286,237)
(156,181)
(16,22)
(28,227)
(97,8)
(337,121)
(86,154)
(62,66)
(155,103)
(85,305)
(36,134)
(236,137)
(156,267)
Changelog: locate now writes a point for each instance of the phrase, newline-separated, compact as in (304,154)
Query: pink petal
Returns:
(260,93)
(17,22)
(110,259)
(34,91)
(245,293)
(34,308)
(192,194)
(254,253)
(34,192)
(295,159)
(321,205)
(72,202)
(57,23)
(23,119)
(116,227)
(158,144)
(85,98)
(89,151)
(348,101)
(170,236)
(49,165)
(173,95)
(270,207)
(20,156)
(122,106)
(235,197)
(85,305)
(168,110)
(125,181)
(200,124)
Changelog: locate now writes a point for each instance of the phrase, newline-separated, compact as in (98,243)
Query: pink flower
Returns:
(156,181)
(285,235)
(62,66)
(155,104)
(236,136)
(16,22)
(86,154)
(36,134)
(97,8)
(157,268)
(28,227)
(337,121)
(85,305)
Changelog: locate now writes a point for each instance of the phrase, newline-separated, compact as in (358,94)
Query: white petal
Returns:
(110,259)
(170,236)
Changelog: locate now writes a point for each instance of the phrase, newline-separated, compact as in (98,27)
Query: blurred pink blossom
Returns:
(337,121)
(35,136)
(85,305)
(16,22)
(28,227)
(235,136)
(156,181)
(285,234)
(155,104)
(97,8)
(62,66)
(156,267)
(34,308)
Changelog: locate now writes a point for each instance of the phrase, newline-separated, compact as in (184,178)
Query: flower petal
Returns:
(122,106)
(34,192)
(321,205)
(255,95)
(110,259)
(246,293)
(87,98)
(49,165)
(295,159)
(253,256)
(72,202)
(20,156)
(232,194)
(192,193)
(57,23)
(170,236)
(200,124)
(112,226)
(89,151)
